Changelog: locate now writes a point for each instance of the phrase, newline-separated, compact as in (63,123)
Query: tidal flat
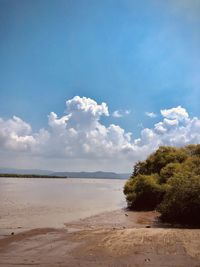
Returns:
(83,222)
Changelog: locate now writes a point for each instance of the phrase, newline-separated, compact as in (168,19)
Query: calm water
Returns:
(30,203)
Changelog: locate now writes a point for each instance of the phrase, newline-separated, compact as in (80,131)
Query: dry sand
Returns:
(114,239)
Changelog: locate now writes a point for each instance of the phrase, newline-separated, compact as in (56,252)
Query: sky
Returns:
(97,85)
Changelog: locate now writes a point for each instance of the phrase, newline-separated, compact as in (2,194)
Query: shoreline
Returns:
(32,176)
(118,238)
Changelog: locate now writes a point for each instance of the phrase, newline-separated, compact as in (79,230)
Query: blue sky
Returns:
(140,56)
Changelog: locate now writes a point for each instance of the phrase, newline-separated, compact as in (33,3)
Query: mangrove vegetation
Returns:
(168,181)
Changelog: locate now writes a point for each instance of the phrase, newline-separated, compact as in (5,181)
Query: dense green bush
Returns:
(182,201)
(168,171)
(169,181)
(156,161)
(144,192)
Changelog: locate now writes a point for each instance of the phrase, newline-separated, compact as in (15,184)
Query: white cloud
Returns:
(150,114)
(15,134)
(78,140)
(120,113)
(117,114)
(177,113)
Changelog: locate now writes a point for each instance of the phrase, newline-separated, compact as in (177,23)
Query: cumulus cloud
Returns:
(177,128)
(150,114)
(177,113)
(79,137)
(15,134)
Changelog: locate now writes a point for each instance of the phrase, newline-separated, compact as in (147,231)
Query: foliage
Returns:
(182,201)
(168,171)
(156,161)
(144,192)
(169,181)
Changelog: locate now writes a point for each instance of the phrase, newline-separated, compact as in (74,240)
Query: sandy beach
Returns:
(114,238)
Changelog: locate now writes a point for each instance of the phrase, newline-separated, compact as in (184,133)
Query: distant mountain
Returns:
(96,175)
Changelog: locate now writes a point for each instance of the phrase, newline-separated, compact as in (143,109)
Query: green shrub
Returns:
(144,192)
(158,160)
(168,171)
(168,180)
(181,203)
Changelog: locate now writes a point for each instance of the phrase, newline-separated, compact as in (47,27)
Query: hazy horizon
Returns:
(57,171)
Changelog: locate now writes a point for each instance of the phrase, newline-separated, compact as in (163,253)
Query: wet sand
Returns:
(110,239)
(118,238)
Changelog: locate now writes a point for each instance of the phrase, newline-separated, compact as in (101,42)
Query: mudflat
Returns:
(83,223)
(118,239)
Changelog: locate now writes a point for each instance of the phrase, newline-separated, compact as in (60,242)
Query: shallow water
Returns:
(30,203)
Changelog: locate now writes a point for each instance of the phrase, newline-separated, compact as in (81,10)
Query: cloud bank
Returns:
(80,141)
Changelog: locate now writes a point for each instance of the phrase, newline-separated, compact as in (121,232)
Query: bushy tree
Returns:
(144,192)
(168,171)
(158,160)
(181,203)
(168,180)
(193,150)
(192,165)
